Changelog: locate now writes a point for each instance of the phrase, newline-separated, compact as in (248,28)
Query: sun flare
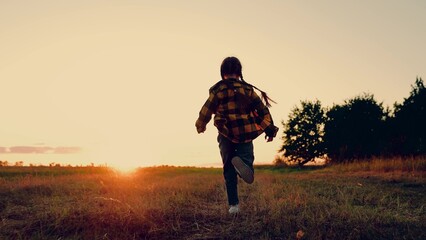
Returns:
(121,156)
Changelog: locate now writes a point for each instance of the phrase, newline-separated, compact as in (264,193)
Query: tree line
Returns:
(360,128)
(52,164)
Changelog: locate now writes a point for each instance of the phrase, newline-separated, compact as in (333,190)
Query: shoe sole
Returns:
(245,172)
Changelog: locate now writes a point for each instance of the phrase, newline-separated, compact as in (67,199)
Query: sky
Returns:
(123,81)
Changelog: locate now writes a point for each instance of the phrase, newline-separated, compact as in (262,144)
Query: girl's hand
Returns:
(201,129)
(270,133)
(269,139)
(199,126)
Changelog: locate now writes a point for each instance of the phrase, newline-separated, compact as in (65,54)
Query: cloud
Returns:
(39,150)
(66,150)
(29,149)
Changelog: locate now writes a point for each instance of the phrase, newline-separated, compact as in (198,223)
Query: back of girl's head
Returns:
(230,66)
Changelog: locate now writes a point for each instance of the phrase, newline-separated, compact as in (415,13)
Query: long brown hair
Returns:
(231,65)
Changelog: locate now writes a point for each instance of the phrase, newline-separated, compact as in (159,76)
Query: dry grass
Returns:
(190,203)
(407,167)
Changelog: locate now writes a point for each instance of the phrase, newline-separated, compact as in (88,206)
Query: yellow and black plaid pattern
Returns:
(240,114)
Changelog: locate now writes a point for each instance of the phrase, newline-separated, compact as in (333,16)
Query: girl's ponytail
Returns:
(264,95)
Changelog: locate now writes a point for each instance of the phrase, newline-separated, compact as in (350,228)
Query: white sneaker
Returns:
(243,170)
(234,209)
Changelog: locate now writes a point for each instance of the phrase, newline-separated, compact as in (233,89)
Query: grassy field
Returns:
(354,201)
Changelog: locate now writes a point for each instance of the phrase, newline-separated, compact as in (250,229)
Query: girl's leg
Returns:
(243,161)
(246,152)
(227,152)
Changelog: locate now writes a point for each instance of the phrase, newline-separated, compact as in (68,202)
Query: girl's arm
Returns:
(265,118)
(206,112)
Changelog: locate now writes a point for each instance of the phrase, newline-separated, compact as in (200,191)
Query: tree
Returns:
(303,133)
(409,135)
(4,163)
(19,164)
(354,130)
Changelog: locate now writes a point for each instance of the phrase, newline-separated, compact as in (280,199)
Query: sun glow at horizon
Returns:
(123,156)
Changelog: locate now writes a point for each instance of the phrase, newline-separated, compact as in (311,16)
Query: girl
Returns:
(240,117)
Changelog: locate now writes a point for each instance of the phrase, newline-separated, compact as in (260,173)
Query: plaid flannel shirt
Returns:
(240,114)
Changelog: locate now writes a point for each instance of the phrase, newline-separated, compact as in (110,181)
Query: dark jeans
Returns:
(228,150)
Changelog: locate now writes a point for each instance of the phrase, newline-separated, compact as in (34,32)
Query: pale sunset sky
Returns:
(124,80)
